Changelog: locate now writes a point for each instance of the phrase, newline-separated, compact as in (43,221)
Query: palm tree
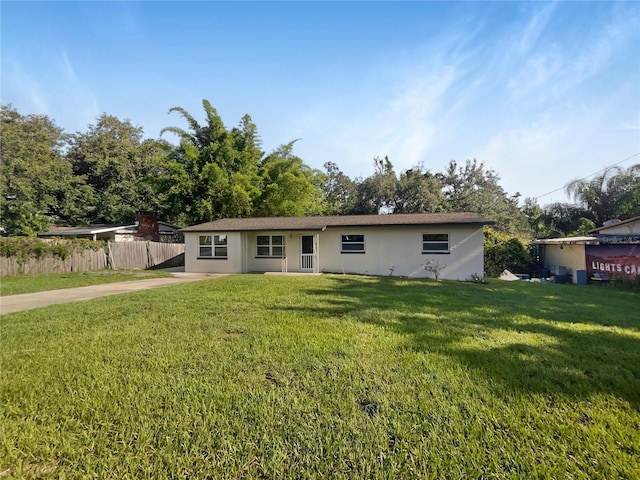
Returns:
(612,194)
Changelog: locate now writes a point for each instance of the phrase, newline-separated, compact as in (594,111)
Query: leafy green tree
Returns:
(472,188)
(376,194)
(37,181)
(612,194)
(418,192)
(290,188)
(340,192)
(118,166)
(213,173)
(535,218)
(220,173)
(563,219)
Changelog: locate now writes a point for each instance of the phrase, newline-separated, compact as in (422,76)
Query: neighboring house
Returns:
(146,227)
(111,232)
(396,245)
(610,250)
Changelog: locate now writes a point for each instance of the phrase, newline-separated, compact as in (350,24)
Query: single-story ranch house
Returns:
(398,245)
(145,227)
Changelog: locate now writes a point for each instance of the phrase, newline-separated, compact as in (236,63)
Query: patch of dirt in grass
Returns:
(272,378)
(32,469)
(368,406)
(231,334)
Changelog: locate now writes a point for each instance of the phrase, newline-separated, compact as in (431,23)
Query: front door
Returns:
(306,262)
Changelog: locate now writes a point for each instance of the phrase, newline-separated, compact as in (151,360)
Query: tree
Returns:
(118,167)
(37,181)
(418,192)
(564,219)
(340,192)
(611,194)
(213,173)
(472,188)
(290,188)
(376,194)
(535,218)
(216,173)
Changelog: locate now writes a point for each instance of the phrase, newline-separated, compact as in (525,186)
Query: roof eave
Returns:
(267,229)
(325,227)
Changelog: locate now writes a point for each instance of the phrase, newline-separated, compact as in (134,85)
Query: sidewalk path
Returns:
(27,301)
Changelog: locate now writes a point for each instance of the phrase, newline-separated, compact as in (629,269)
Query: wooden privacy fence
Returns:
(120,256)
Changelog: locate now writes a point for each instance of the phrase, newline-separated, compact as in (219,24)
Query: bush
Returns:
(626,283)
(503,252)
(25,248)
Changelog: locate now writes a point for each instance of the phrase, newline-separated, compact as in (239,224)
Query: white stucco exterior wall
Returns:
(385,247)
(570,256)
(400,248)
(232,264)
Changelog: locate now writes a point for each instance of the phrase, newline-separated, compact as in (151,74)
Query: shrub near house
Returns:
(503,252)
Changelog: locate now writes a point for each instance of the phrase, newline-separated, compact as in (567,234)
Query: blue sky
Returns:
(540,92)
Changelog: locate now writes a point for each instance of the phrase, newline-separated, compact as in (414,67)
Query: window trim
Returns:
(426,251)
(271,246)
(213,245)
(342,243)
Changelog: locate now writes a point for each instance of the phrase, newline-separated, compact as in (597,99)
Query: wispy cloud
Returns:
(81,101)
(535,28)
(401,116)
(536,112)
(24,89)
(61,94)
(558,63)
(412,114)
(541,92)
(67,69)
(526,155)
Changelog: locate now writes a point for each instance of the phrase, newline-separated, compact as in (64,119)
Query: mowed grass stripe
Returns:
(55,281)
(326,377)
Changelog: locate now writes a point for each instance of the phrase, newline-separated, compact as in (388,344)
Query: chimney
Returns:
(147,227)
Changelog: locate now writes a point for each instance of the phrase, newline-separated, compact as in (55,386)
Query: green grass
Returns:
(326,377)
(40,283)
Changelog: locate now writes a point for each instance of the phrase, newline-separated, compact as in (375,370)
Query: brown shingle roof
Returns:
(320,223)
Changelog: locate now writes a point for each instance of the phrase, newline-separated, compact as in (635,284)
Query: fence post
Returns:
(148,247)
(109,257)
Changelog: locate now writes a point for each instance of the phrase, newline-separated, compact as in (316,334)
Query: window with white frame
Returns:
(212,246)
(352,244)
(270,246)
(435,243)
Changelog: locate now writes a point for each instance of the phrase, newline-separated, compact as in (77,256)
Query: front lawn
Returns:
(14,285)
(326,377)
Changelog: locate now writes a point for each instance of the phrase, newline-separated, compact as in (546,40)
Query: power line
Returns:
(584,178)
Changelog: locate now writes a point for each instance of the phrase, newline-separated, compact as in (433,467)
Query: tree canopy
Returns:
(213,173)
(118,168)
(467,188)
(37,180)
(216,173)
(613,193)
(111,171)
(289,187)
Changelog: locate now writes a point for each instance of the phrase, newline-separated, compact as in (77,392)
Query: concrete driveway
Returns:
(28,301)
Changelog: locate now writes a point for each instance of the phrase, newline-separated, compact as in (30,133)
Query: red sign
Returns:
(610,261)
